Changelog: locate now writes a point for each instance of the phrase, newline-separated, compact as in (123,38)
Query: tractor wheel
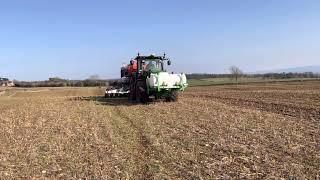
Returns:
(132,90)
(173,97)
(141,92)
(132,94)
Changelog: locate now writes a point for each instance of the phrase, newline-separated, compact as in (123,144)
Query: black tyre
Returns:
(132,94)
(141,92)
(173,97)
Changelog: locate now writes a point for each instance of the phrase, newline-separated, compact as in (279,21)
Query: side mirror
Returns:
(122,73)
(169,62)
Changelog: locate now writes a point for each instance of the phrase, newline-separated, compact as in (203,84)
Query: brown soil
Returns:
(246,131)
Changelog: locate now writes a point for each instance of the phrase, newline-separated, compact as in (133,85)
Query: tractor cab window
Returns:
(153,66)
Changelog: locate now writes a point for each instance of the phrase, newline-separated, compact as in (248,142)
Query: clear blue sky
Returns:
(75,38)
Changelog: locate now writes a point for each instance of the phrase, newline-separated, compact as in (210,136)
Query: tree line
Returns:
(58,82)
(94,80)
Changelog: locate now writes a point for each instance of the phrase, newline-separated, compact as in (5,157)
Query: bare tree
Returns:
(236,72)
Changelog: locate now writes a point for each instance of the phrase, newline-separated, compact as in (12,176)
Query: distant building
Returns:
(5,82)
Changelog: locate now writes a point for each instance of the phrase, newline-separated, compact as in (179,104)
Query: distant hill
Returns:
(302,69)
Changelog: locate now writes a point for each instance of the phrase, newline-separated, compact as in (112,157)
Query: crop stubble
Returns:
(249,131)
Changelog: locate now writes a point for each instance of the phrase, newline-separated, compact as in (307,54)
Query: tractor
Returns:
(145,78)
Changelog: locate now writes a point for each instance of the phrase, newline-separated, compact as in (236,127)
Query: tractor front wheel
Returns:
(132,95)
(141,92)
(173,97)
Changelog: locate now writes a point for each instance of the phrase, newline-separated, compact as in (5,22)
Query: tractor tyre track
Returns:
(142,146)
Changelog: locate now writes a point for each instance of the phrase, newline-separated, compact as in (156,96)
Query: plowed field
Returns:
(245,131)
